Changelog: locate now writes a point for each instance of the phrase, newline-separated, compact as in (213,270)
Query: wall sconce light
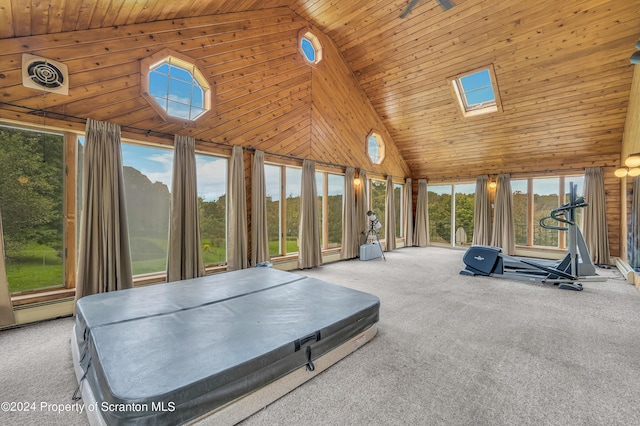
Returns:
(632,168)
(493,184)
(356,181)
(626,171)
(633,160)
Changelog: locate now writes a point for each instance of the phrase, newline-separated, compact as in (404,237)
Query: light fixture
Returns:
(493,184)
(356,181)
(633,160)
(627,171)
(631,166)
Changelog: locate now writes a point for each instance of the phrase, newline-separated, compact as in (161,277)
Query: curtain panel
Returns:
(595,216)
(350,231)
(390,216)
(237,210)
(482,212)
(408,213)
(6,308)
(421,232)
(504,234)
(259,235)
(104,259)
(362,206)
(185,256)
(310,254)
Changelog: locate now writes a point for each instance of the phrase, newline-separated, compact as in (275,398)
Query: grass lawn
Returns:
(35,267)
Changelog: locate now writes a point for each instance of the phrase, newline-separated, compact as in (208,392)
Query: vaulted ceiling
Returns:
(562,69)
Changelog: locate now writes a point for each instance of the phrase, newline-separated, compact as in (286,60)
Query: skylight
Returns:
(476,92)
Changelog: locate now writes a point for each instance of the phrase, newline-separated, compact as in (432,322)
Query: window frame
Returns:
(307,34)
(473,110)
(324,213)
(69,219)
(381,147)
(562,191)
(222,265)
(191,65)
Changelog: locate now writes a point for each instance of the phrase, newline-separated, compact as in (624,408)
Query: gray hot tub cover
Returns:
(169,353)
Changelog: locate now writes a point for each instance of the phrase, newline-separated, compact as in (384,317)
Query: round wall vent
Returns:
(44,74)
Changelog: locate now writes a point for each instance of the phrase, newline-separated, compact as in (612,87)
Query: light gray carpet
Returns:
(450,350)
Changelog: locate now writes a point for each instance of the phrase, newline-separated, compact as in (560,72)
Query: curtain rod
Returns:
(162,134)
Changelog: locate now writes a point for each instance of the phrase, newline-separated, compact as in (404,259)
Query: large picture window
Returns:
(463,213)
(439,206)
(397,198)
(451,213)
(32,206)
(147,178)
(282,186)
(292,208)
(520,210)
(212,206)
(273,188)
(533,199)
(330,189)
(378,201)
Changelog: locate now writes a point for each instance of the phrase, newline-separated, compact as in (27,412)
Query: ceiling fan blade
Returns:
(446,4)
(408,9)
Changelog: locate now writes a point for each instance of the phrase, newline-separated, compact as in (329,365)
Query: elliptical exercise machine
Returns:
(576,266)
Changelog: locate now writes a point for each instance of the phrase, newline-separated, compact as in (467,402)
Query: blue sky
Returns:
(477,87)
(157,165)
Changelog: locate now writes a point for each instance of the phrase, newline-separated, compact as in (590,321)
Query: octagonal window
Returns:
(375,148)
(310,46)
(175,87)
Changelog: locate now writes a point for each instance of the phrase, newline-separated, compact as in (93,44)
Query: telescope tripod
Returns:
(373,232)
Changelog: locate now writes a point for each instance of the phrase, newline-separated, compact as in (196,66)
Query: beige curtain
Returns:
(237,209)
(362,206)
(259,236)
(595,216)
(633,235)
(390,216)
(185,257)
(408,213)
(104,260)
(504,234)
(421,231)
(350,230)
(482,212)
(310,254)
(6,308)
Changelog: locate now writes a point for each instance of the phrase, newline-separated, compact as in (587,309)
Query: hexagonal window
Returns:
(375,148)
(175,87)
(309,46)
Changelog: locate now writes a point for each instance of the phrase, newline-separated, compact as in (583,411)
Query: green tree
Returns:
(31,188)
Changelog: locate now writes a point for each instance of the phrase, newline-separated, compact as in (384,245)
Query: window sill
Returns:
(42,296)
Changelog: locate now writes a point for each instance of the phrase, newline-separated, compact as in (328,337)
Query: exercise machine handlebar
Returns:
(562,211)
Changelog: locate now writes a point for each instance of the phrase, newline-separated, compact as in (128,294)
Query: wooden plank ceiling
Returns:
(562,68)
